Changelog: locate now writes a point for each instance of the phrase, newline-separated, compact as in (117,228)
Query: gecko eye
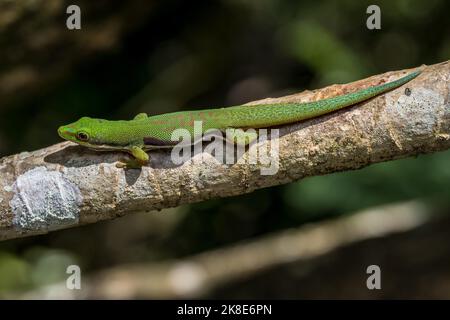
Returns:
(82,136)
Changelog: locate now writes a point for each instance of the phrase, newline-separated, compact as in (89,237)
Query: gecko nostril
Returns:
(61,132)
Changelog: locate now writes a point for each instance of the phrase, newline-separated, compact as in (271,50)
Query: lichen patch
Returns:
(421,105)
(44,200)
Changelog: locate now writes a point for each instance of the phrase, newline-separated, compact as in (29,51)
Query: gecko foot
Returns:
(129,164)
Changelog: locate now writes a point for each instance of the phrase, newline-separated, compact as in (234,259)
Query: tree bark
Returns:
(66,185)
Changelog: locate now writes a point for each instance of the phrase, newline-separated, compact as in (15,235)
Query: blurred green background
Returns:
(195,54)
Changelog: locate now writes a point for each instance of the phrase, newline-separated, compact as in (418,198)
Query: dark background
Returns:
(179,55)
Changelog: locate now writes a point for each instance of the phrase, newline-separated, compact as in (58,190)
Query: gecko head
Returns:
(83,131)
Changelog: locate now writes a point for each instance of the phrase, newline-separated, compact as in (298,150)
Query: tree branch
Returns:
(65,185)
(198,276)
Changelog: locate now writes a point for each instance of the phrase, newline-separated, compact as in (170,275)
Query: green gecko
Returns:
(144,133)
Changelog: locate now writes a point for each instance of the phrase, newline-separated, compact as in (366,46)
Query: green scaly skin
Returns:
(144,133)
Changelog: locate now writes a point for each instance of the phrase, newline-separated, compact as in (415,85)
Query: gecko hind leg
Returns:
(241,137)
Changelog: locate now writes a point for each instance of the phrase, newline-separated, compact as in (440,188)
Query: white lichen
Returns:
(423,106)
(44,200)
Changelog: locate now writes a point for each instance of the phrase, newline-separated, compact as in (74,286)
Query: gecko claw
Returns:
(129,164)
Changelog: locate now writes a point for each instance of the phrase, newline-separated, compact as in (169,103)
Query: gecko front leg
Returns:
(140,158)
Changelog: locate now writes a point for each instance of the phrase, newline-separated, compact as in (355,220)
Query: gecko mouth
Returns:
(66,133)
(60,132)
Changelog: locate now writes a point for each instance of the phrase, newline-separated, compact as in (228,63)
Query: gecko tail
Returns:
(365,94)
(339,102)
